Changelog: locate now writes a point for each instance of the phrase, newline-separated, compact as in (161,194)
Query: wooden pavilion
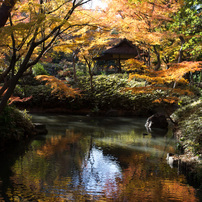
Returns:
(124,50)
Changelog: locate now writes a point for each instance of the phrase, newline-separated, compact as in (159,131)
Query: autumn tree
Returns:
(143,22)
(88,42)
(34,28)
(152,25)
(162,83)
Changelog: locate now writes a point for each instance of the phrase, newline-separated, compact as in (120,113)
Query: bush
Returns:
(38,69)
(189,123)
(108,92)
(14,125)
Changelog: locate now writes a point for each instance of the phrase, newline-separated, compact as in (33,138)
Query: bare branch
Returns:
(58,7)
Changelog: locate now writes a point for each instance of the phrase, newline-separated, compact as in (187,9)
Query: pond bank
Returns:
(16,127)
(187,131)
(88,112)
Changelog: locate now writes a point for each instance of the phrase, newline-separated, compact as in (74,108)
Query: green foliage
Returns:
(187,107)
(40,94)
(38,69)
(189,118)
(14,124)
(108,93)
(187,22)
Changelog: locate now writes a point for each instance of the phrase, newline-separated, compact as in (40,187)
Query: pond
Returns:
(93,159)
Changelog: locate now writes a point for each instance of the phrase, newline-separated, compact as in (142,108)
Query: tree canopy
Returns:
(168,31)
(33,30)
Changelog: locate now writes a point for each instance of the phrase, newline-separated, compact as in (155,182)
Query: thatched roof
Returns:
(125,47)
(122,51)
(104,57)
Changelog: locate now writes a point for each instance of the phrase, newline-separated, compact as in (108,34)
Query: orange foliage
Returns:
(174,74)
(18,99)
(140,20)
(159,79)
(60,88)
(13,99)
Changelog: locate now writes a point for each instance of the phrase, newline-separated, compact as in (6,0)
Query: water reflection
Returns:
(103,159)
(98,171)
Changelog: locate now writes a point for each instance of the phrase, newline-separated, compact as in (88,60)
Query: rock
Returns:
(157,121)
(40,129)
(172,161)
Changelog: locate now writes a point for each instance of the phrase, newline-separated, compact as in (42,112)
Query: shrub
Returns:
(38,69)
(14,125)
(189,122)
(108,92)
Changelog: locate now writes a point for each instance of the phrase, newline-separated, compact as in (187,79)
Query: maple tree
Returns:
(61,88)
(34,28)
(142,22)
(149,23)
(87,42)
(165,29)
(163,80)
(94,47)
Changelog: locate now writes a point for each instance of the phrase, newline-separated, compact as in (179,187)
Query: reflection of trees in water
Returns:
(76,167)
(8,158)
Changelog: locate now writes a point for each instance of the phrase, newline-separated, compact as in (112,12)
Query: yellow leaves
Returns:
(163,94)
(139,76)
(67,48)
(170,100)
(60,88)
(133,64)
(174,74)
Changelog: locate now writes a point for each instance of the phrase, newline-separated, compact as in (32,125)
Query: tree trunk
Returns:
(166,59)
(181,51)
(158,65)
(74,66)
(5,10)
(90,72)
(9,92)
(119,65)
(180,56)
(13,80)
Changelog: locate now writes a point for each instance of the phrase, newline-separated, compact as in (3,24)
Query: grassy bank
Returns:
(189,126)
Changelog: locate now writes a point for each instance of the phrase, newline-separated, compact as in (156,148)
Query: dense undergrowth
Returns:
(189,119)
(15,126)
(106,93)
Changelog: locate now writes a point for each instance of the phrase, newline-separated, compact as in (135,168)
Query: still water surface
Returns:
(94,159)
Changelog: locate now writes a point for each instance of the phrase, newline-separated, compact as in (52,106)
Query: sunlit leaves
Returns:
(174,74)
(60,88)
(18,99)
(140,20)
(161,80)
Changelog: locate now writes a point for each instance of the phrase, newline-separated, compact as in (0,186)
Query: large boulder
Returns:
(157,121)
